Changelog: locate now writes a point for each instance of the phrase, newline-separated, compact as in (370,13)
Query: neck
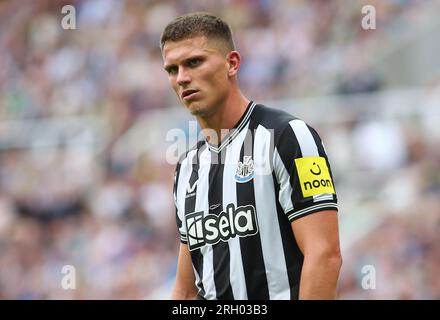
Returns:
(224,118)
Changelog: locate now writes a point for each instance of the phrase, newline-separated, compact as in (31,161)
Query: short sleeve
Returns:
(302,170)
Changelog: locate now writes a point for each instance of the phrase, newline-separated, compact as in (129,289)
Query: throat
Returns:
(215,137)
(220,124)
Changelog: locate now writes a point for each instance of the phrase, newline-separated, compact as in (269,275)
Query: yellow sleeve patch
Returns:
(314,176)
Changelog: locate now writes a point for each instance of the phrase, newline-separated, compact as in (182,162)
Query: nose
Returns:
(183,77)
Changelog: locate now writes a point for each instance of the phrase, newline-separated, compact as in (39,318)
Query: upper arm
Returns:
(184,287)
(318,239)
(318,233)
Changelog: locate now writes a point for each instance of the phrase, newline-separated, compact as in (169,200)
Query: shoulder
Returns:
(275,120)
(186,159)
(189,154)
(271,117)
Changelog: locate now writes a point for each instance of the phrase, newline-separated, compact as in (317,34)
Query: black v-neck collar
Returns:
(235,130)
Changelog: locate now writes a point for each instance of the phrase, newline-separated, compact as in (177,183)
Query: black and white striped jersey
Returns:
(235,203)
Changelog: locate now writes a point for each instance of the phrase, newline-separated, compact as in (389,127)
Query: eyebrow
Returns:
(185,61)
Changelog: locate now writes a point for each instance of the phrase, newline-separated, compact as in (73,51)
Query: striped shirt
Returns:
(235,203)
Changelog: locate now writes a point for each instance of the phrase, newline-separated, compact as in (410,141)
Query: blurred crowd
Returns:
(111,216)
(111,63)
(390,206)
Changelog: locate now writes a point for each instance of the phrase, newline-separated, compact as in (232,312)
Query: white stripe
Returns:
(319,205)
(307,144)
(307,210)
(323,197)
(269,228)
(184,176)
(197,278)
(202,203)
(305,138)
(237,278)
(285,195)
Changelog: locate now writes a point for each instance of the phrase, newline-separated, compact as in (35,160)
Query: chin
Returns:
(200,112)
(196,109)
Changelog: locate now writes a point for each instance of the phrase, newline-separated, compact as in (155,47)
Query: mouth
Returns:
(188,93)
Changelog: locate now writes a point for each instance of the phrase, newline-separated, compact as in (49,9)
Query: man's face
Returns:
(198,73)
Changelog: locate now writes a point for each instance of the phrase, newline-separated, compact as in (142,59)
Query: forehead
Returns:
(175,51)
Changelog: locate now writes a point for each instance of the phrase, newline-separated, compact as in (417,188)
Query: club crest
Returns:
(245,170)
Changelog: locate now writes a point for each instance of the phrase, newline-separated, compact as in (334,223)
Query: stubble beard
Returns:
(201,111)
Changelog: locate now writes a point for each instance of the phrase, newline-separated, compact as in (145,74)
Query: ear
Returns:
(233,58)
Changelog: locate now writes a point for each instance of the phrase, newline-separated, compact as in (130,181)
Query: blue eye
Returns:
(194,62)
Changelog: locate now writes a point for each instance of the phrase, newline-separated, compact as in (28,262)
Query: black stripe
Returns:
(176,178)
(221,254)
(251,249)
(176,181)
(272,119)
(288,148)
(292,253)
(190,205)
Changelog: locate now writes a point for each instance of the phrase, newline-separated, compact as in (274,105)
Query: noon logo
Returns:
(314,176)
